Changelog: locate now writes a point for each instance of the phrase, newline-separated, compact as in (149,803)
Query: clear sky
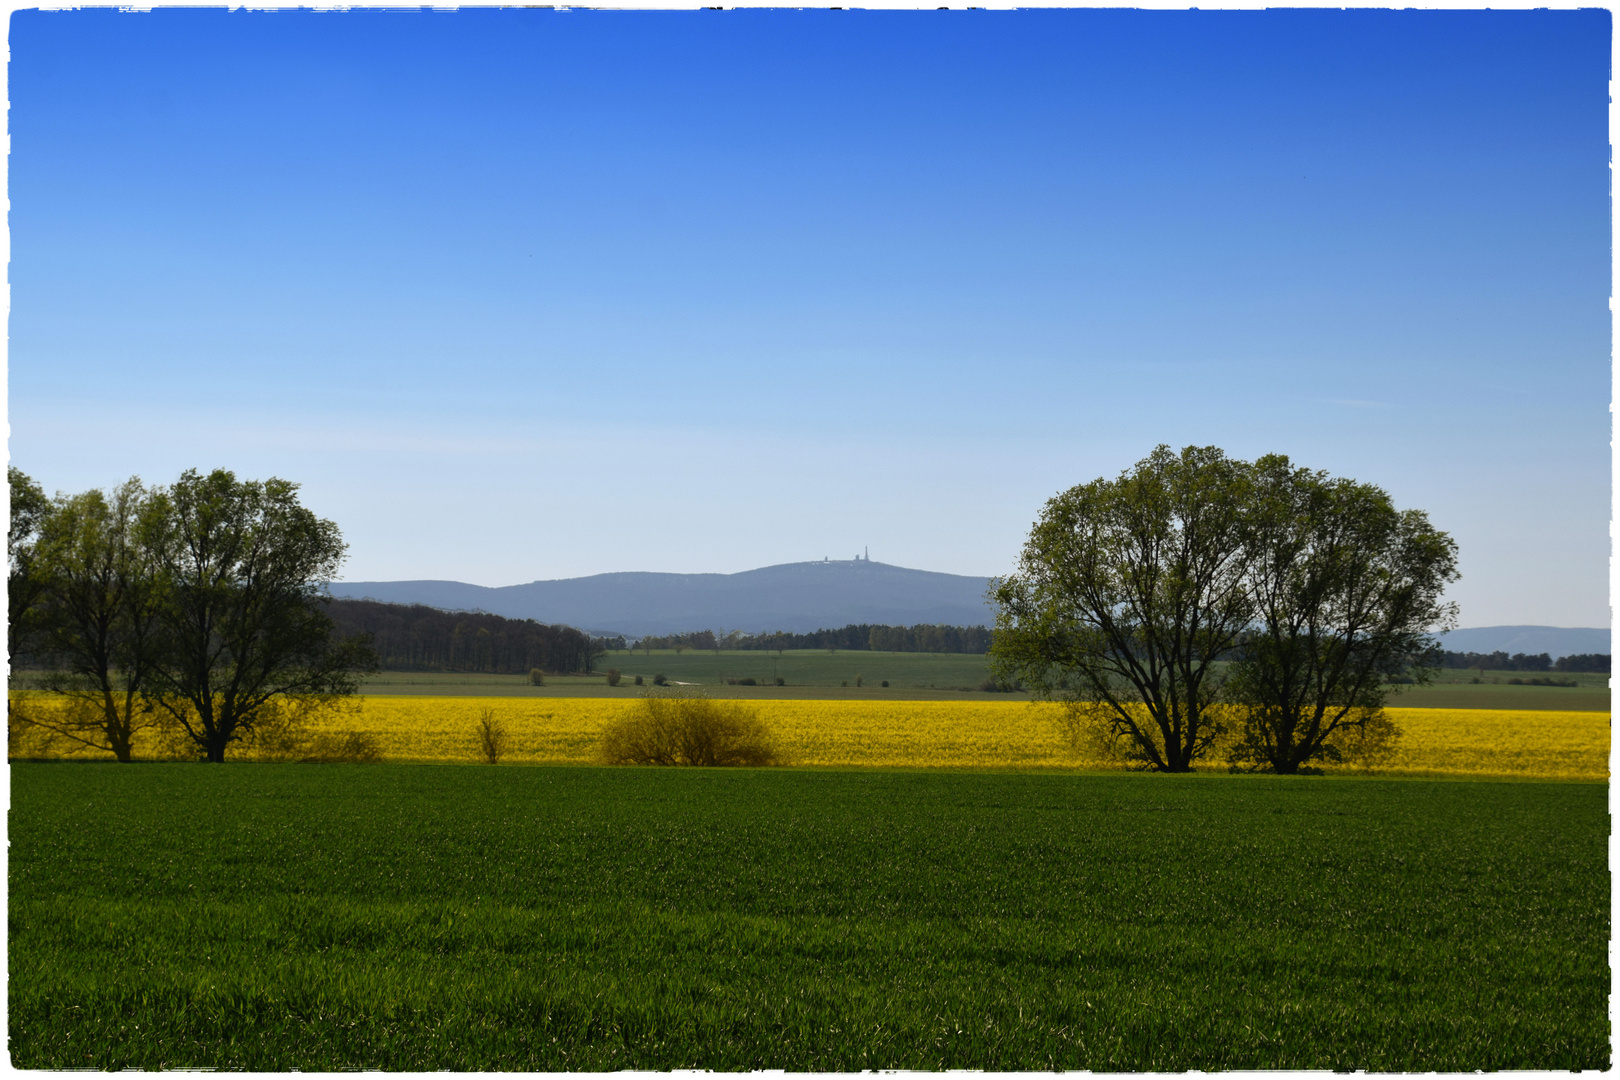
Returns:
(522,294)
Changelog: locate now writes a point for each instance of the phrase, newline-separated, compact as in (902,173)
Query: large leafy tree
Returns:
(1127,594)
(1346,589)
(98,615)
(242,566)
(29,509)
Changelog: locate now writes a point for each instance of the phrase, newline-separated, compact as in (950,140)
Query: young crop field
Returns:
(1458,688)
(1558,744)
(799,669)
(269,917)
(920,677)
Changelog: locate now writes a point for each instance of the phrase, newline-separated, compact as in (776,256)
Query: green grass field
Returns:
(807,672)
(911,677)
(443,917)
(919,676)
(1456,688)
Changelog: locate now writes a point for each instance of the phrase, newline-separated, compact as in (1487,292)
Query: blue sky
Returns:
(529,294)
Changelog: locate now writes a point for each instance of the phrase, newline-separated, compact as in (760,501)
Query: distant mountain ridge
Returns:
(798,597)
(809,596)
(1555,641)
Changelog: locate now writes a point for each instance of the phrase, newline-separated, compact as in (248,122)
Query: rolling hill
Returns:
(797,597)
(1556,641)
(807,596)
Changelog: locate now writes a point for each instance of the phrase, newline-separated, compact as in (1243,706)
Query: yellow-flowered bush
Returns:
(950,734)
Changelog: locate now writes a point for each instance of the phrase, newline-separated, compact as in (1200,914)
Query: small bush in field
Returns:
(491,736)
(688,729)
(781,681)
(342,747)
(613,676)
(537,677)
(659,680)
(638,680)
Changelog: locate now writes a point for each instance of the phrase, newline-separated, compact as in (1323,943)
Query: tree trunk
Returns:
(216,749)
(117,731)
(1178,746)
(1177,758)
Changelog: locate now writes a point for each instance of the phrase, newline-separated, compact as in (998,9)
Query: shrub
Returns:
(741,682)
(885,682)
(537,677)
(342,747)
(688,729)
(613,676)
(638,680)
(659,680)
(284,730)
(491,736)
(858,680)
(781,681)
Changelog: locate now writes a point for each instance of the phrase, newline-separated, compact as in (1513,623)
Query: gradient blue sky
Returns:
(531,294)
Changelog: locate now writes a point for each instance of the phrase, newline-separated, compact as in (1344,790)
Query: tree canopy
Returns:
(1346,589)
(1197,596)
(97,606)
(29,507)
(200,604)
(1126,594)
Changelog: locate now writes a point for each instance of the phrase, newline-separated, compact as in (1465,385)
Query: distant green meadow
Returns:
(919,676)
(444,917)
(817,673)
(948,674)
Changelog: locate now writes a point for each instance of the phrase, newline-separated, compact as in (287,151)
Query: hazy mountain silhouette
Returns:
(798,597)
(1556,641)
(801,597)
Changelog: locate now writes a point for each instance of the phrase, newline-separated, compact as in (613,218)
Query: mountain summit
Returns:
(797,597)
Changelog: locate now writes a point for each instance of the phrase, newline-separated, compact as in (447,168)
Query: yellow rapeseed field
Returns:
(946,734)
(880,733)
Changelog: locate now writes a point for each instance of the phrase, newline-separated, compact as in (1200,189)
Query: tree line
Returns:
(1501,661)
(856,637)
(414,637)
(1132,596)
(194,608)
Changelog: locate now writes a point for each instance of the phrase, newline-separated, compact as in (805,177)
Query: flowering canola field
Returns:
(926,734)
(968,734)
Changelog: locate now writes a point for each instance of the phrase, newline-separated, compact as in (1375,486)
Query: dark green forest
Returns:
(415,637)
(856,637)
(1501,661)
